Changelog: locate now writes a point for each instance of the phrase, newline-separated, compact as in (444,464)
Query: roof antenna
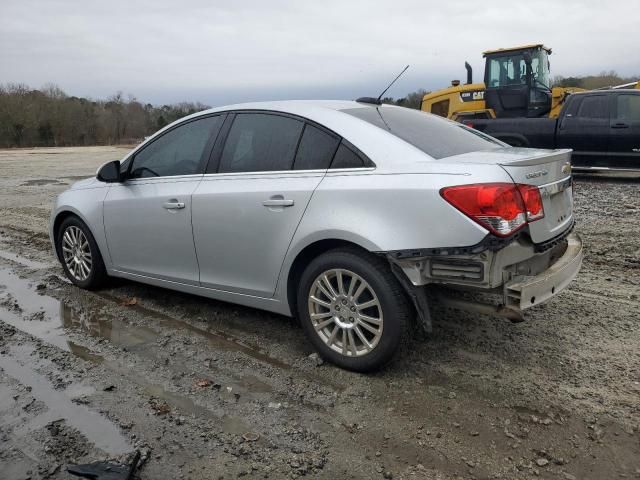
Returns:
(378,101)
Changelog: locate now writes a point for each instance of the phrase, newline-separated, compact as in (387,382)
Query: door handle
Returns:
(620,125)
(173,205)
(278,203)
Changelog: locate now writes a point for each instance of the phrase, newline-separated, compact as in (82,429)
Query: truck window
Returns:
(595,106)
(441,108)
(628,108)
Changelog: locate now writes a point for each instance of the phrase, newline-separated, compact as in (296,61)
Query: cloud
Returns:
(219,52)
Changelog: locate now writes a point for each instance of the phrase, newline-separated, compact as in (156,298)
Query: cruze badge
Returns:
(536,174)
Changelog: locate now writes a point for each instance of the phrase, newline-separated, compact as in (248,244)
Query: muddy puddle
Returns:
(215,339)
(15,258)
(39,182)
(228,423)
(18,364)
(25,308)
(45,317)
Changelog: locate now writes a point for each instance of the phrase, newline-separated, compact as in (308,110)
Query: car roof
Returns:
(374,142)
(293,104)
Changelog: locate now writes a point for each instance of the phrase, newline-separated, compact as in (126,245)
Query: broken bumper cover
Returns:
(526,292)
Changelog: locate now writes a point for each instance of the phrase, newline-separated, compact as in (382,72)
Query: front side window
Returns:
(507,70)
(260,142)
(177,152)
(628,108)
(435,136)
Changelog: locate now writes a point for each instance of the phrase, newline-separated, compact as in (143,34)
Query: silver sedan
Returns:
(354,217)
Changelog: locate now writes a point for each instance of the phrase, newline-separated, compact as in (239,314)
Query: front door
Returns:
(147,217)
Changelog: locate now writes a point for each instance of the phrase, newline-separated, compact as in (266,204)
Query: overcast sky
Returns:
(221,52)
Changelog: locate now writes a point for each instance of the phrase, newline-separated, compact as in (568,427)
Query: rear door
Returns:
(585,129)
(147,218)
(252,199)
(624,137)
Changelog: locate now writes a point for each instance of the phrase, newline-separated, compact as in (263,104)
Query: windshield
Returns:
(510,69)
(435,136)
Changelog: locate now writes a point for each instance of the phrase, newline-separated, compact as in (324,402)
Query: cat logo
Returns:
(566,168)
(476,95)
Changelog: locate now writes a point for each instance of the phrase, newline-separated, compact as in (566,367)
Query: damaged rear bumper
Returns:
(526,292)
(504,282)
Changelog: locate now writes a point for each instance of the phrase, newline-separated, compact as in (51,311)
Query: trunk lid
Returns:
(549,170)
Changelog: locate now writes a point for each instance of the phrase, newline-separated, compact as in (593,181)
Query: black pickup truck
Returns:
(601,126)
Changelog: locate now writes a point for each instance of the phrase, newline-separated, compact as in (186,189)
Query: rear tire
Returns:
(79,254)
(352,309)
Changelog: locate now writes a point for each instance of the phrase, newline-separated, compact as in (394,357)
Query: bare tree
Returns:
(49,117)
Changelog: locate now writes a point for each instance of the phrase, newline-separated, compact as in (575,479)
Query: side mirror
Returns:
(109,172)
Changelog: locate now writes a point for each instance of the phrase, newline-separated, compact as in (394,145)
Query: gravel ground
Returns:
(205,389)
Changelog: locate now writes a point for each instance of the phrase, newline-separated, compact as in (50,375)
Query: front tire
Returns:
(352,309)
(79,254)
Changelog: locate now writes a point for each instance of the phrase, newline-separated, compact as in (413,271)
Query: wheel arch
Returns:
(60,217)
(306,255)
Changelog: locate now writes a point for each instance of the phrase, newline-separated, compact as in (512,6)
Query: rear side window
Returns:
(177,152)
(628,107)
(435,136)
(259,142)
(316,149)
(594,107)
(347,158)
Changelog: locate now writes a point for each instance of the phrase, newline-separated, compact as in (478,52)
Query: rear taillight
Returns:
(532,201)
(502,208)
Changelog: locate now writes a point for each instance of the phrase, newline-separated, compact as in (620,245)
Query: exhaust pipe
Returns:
(469,73)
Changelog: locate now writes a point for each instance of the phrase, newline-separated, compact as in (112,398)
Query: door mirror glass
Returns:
(109,172)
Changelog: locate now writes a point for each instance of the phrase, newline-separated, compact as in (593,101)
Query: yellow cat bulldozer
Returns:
(516,84)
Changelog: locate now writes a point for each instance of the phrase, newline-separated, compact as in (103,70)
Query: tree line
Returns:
(590,82)
(49,117)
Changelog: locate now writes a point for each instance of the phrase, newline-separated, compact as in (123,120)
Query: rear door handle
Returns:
(620,125)
(279,202)
(173,205)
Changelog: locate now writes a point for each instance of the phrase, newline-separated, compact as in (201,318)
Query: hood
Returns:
(91,182)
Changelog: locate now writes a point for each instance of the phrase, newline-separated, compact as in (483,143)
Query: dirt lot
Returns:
(211,390)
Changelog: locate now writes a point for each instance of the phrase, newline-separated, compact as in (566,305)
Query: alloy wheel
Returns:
(345,312)
(76,253)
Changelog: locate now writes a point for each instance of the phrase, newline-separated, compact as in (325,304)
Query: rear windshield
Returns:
(435,136)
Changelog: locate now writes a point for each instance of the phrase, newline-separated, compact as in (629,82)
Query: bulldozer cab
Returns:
(517,81)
